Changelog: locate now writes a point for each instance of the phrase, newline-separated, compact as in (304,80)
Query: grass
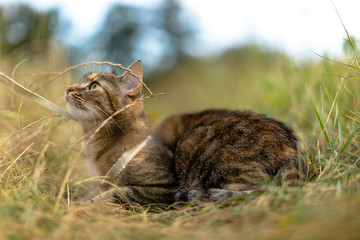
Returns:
(41,157)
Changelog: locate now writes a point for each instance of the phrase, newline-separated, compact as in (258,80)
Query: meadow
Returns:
(41,153)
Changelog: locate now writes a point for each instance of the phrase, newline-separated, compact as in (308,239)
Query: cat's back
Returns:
(214,148)
(235,128)
(222,124)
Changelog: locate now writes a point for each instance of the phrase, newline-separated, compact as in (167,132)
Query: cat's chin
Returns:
(78,113)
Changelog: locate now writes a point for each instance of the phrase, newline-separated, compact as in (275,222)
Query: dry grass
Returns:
(41,156)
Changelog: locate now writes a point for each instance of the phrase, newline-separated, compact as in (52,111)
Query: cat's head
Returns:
(100,95)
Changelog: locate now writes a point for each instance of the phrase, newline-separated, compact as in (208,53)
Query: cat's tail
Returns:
(293,170)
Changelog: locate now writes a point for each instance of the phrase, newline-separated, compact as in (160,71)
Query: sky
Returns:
(296,27)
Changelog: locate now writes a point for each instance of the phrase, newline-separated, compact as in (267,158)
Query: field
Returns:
(41,153)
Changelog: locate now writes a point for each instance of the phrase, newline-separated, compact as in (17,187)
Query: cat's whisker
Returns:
(96,115)
(102,119)
(84,71)
(86,110)
(94,119)
(108,115)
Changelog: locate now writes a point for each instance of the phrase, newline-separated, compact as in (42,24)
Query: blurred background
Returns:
(233,54)
(160,32)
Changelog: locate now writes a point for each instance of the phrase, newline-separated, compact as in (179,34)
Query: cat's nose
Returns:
(70,89)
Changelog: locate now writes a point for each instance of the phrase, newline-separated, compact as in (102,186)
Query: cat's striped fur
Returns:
(213,155)
(221,153)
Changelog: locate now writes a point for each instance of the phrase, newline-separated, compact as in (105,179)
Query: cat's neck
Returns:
(101,132)
(105,144)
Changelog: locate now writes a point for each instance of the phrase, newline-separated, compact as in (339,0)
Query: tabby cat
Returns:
(211,155)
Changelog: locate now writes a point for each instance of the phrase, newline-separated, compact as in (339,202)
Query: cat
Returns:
(221,154)
(211,155)
(122,149)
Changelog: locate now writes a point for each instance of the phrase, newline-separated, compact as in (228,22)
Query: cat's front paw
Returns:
(105,197)
(218,194)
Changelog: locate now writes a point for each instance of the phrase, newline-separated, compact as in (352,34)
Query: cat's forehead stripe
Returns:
(92,76)
(97,77)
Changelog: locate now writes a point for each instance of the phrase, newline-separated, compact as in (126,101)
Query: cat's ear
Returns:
(132,83)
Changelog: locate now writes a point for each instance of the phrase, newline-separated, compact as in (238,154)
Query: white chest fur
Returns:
(119,165)
(92,168)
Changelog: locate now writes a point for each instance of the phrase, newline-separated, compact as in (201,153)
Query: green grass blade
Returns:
(340,130)
(348,36)
(321,125)
(348,140)
(41,155)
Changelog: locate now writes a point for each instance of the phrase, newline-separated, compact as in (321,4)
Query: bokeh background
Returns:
(221,49)
(158,28)
(259,55)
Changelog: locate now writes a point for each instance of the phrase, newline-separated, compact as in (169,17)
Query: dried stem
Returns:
(100,63)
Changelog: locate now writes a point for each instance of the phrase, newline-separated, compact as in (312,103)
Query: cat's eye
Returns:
(94,85)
